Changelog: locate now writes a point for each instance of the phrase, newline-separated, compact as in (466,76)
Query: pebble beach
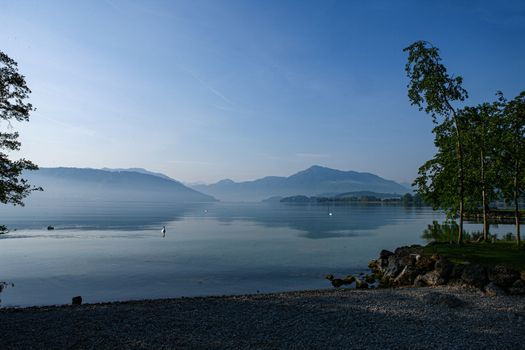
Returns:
(445,317)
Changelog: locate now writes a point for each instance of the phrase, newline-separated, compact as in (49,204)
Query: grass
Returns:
(500,252)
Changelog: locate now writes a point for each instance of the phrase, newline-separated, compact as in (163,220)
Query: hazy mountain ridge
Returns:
(97,184)
(142,171)
(309,182)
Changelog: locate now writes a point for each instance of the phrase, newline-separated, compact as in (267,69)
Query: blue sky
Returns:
(205,90)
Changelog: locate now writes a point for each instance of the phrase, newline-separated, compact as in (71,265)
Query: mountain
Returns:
(310,182)
(95,184)
(140,170)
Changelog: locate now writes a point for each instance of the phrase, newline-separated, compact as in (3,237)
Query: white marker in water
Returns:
(163,231)
(330,214)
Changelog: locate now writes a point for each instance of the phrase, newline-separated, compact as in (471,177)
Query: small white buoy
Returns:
(330,214)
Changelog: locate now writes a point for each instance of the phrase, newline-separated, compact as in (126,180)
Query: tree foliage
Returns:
(14,94)
(482,138)
(433,90)
(512,176)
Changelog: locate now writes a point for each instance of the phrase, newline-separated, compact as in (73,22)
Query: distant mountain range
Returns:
(110,184)
(313,181)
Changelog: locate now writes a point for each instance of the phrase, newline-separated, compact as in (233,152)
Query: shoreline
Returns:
(327,318)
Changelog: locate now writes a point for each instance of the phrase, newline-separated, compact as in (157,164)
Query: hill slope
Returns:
(95,184)
(310,182)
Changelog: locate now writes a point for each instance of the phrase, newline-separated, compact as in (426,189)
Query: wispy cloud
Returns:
(194,162)
(208,86)
(313,155)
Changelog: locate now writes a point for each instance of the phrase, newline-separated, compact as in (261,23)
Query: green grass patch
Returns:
(500,252)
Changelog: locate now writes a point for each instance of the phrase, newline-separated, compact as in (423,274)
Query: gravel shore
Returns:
(327,319)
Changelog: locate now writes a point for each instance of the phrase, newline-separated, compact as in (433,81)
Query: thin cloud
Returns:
(209,87)
(196,162)
(313,155)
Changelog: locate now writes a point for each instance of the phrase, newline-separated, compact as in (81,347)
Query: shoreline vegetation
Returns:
(359,197)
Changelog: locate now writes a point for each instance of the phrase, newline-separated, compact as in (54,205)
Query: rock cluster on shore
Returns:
(408,266)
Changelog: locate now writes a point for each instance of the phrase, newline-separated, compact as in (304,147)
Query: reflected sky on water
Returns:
(116,251)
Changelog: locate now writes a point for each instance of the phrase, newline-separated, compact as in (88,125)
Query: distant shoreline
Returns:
(328,319)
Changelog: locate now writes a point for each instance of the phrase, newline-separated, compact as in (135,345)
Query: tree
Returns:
(13,107)
(437,181)
(482,133)
(433,90)
(513,176)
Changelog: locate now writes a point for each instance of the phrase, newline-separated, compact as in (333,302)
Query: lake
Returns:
(115,251)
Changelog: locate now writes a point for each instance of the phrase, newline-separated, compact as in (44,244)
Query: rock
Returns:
(493,290)
(378,266)
(457,271)
(407,250)
(349,279)
(360,284)
(435,298)
(374,265)
(522,275)
(337,282)
(394,267)
(50,227)
(474,275)
(502,275)
(76,300)
(445,268)
(406,277)
(419,282)
(382,263)
(517,288)
(384,254)
(432,278)
(424,263)
(370,279)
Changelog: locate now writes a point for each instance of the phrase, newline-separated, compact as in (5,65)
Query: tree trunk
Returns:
(484,199)
(516,206)
(460,176)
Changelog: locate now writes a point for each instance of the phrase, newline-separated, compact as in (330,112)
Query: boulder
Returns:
(424,263)
(76,300)
(474,275)
(517,288)
(394,267)
(370,279)
(502,275)
(407,276)
(337,282)
(435,298)
(445,268)
(385,254)
(432,278)
(407,250)
(360,284)
(419,282)
(493,290)
(457,271)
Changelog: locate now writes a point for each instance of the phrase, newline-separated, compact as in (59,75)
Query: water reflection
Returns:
(314,220)
(213,248)
(95,215)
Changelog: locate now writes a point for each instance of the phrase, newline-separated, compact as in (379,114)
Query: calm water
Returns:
(115,251)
